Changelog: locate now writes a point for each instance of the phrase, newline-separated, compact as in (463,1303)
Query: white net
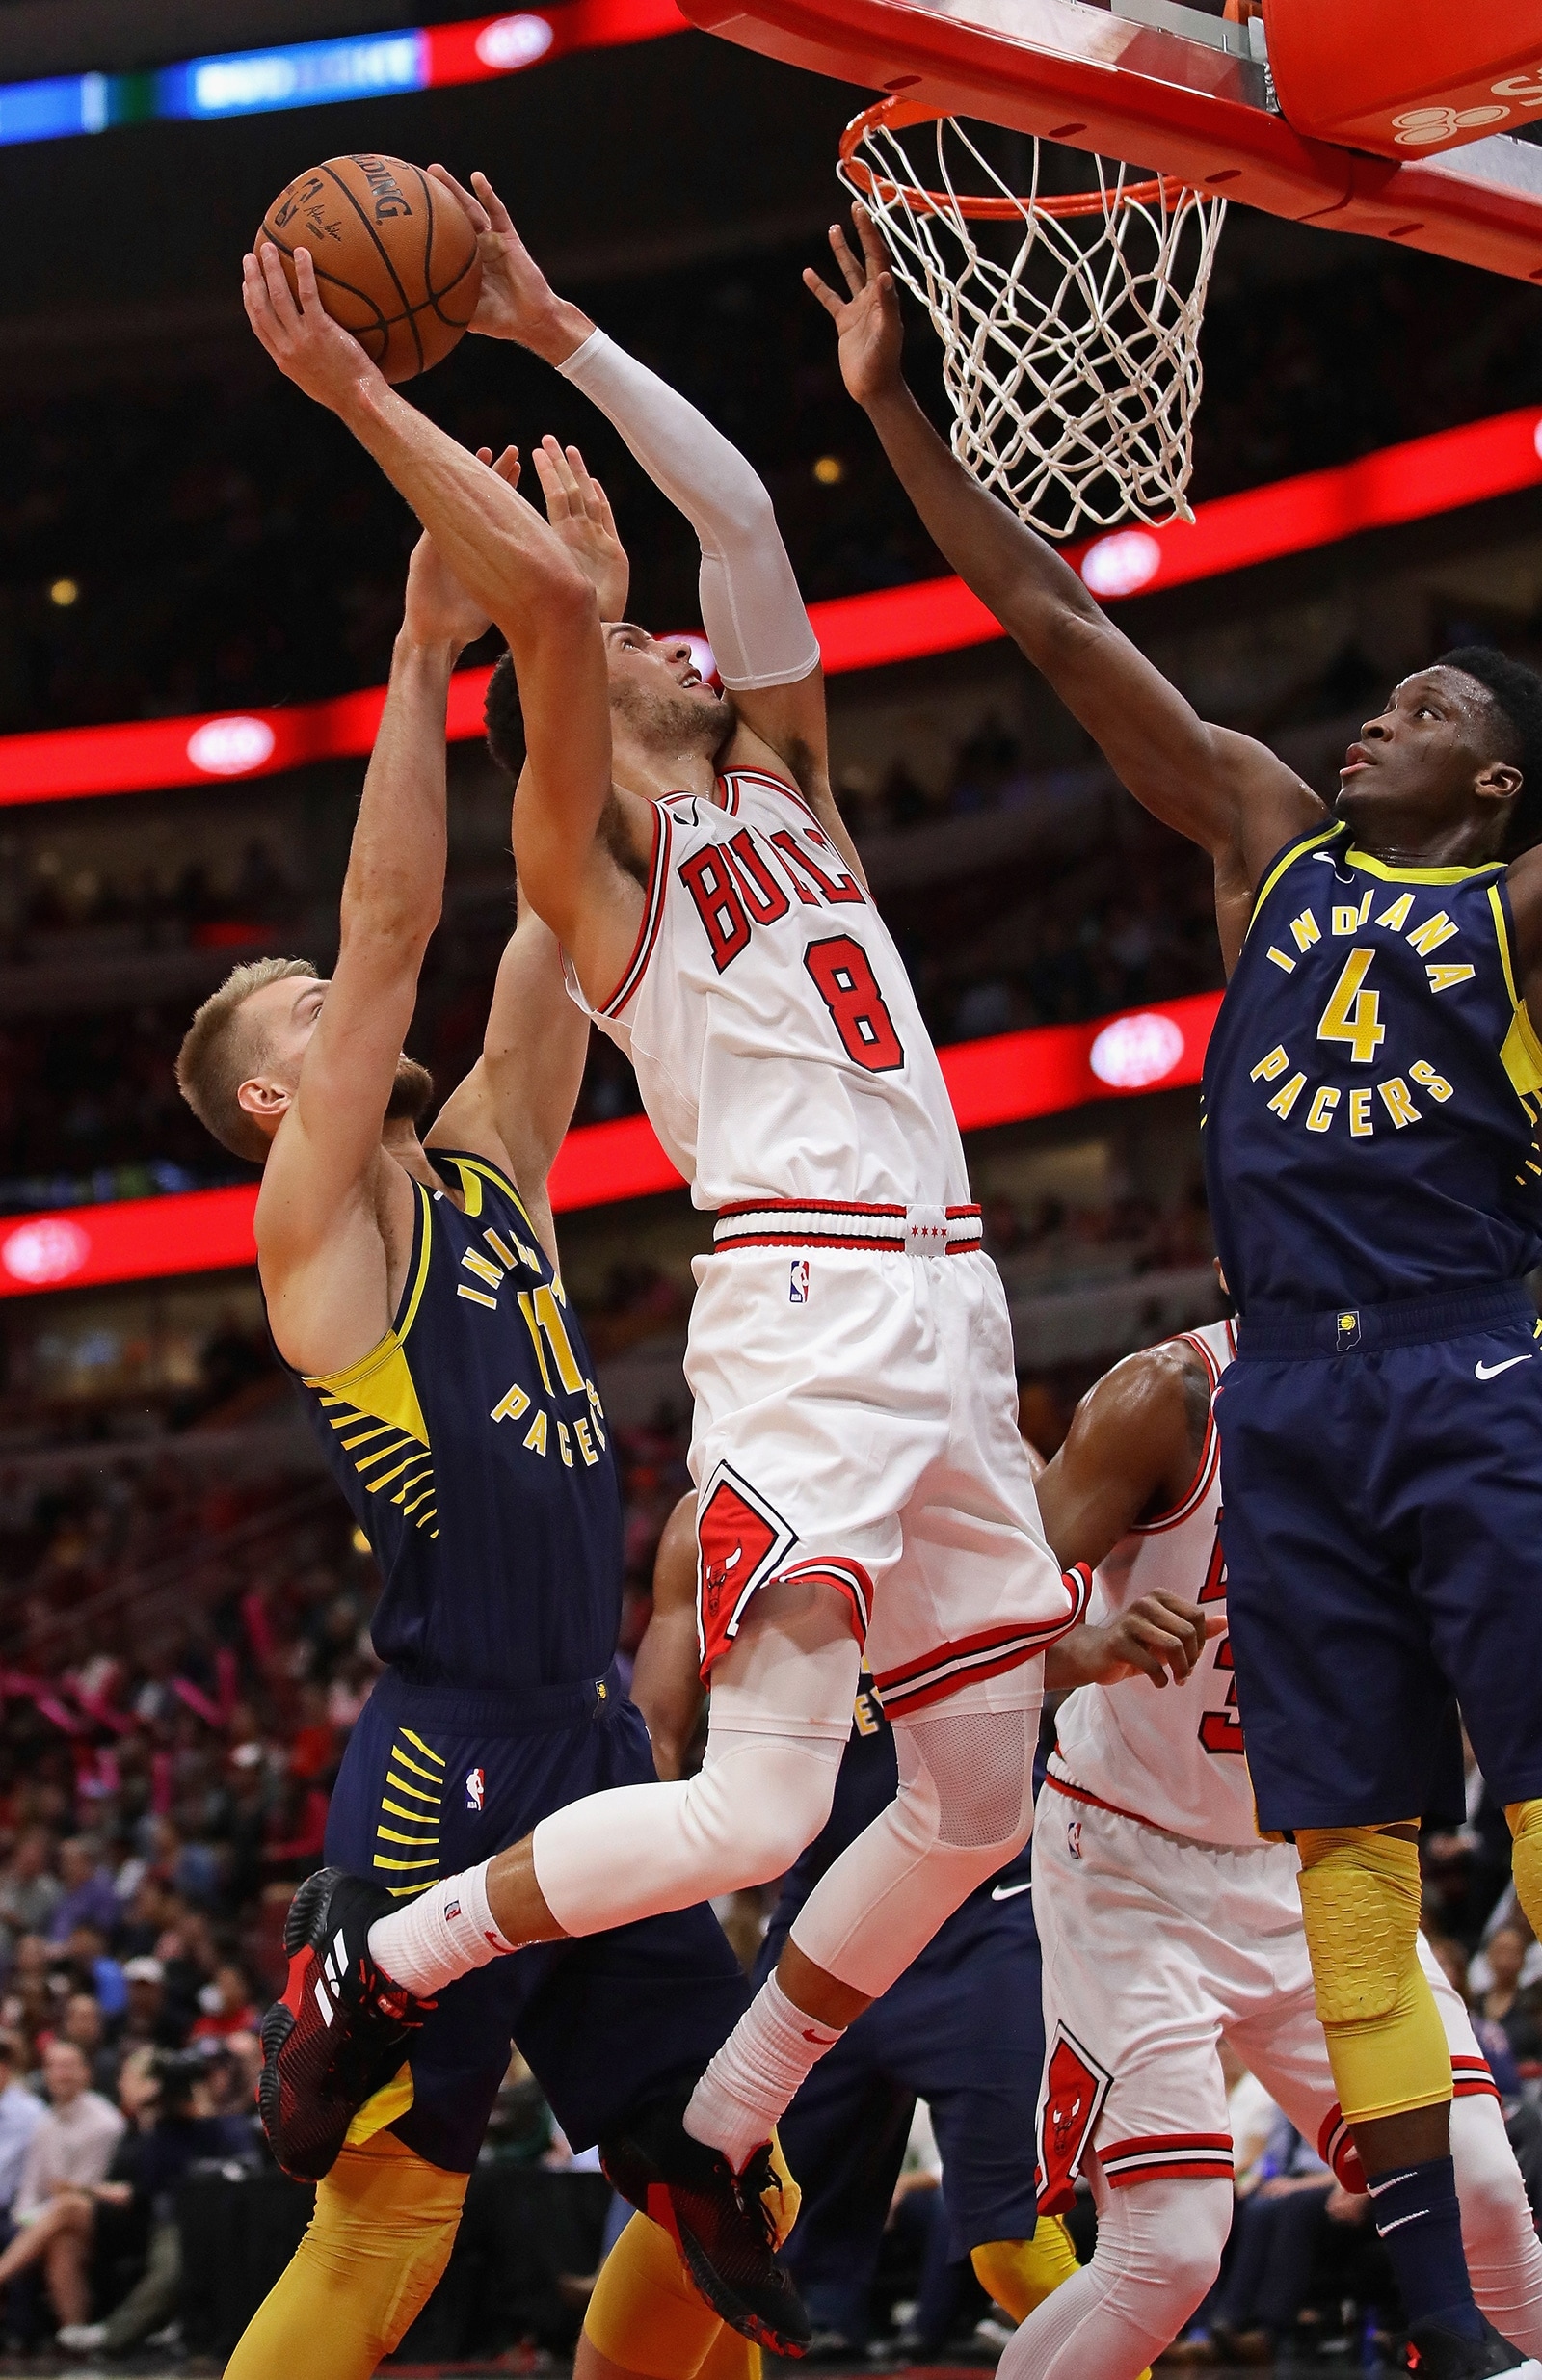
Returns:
(1070,325)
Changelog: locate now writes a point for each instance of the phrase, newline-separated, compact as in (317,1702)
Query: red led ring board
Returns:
(1106,83)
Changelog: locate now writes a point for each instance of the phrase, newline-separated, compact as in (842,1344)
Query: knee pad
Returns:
(1020,2274)
(965,1806)
(1526,1831)
(1360,1901)
(759,1800)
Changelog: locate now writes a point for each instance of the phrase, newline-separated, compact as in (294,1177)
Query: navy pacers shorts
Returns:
(1381,1477)
(962,2028)
(607,2024)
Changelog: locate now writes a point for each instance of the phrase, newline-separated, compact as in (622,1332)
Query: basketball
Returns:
(396,259)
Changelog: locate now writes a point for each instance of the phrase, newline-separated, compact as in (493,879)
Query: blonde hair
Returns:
(218,1054)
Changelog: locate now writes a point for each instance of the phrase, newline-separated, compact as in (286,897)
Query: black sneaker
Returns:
(1436,2353)
(724,2224)
(339,2031)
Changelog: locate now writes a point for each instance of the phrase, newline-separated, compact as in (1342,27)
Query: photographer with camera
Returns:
(132,2215)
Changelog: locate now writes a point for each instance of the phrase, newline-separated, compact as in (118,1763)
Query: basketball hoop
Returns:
(1071,341)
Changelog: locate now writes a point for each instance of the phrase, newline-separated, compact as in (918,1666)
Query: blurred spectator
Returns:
(29,1889)
(225,2006)
(146,2023)
(67,2158)
(85,2025)
(86,1897)
(21,2112)
(1516,2009)
(174,2131)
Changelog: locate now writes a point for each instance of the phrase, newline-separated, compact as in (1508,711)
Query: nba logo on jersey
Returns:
(798,1287)
(1348,1330)
(476,1787)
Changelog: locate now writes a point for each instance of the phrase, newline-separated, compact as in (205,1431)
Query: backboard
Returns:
(1182,91)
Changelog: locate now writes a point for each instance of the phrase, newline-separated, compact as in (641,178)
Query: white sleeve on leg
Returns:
(1503,2254)
(1158,2252)
(751,608)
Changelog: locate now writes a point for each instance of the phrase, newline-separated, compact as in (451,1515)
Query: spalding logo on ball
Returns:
(396,259)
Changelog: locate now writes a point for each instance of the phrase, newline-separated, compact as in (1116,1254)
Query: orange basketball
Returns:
(396,261)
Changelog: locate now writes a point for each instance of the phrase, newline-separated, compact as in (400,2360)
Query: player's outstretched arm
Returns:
(1130,1453)
(517,1103)
(512,565)
(667,1681)
(766,652)
(320,1229)
(1224,791)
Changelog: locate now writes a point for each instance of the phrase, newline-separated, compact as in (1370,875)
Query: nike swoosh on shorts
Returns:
(1009,1893)
(1490,1372)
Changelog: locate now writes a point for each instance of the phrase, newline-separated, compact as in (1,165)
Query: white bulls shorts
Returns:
(856,1421)
(1154,1947)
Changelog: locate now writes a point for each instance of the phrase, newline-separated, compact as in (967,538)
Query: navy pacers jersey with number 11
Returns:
(1371,1086)
(472,1447)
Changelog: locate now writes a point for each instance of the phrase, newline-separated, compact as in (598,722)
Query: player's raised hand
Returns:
(518,302)
(578,509)
(438,610)
(317,354)
(868,317)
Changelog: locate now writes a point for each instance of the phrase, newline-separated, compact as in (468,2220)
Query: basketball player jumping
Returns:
(1372,1101)
(860,1473)
(962,2028)
(411,1286)
(1167,1924)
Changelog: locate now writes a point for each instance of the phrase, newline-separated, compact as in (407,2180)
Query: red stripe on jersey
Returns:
(652,914)
(1210,1453)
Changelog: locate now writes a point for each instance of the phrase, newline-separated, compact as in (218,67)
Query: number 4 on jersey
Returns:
(1220,1731)
(1352,1014)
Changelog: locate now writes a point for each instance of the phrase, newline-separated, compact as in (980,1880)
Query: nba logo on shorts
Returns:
(798,1287)
(1074,1838)
(476,1786)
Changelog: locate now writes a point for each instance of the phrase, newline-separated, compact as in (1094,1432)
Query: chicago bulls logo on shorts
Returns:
(1075,2087)
(741,1539)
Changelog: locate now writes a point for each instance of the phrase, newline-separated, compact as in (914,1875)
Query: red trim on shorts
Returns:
(1472,2079)
(652,914)
(1075,1793)
(848,1578)
(1207,2157)
(947,1667)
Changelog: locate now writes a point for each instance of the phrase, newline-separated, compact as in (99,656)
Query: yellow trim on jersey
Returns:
(425,1251)
(1502,935)
(1288,859)
(1522,1054)
(489,1173)
(1417,875)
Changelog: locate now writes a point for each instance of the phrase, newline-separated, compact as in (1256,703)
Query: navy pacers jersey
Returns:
(472,1447)
(1371,1086)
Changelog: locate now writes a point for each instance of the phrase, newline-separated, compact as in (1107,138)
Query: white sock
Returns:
(444,1933)
(753,2078)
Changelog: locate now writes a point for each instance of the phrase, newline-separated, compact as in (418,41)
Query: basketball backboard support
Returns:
(1173,89)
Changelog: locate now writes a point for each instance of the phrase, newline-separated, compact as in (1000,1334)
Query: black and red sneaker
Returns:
(341,2029)
(724,2224)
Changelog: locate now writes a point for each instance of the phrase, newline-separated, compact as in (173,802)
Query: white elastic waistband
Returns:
(834,1223)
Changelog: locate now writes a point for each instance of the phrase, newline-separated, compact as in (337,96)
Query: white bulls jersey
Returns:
(778,1047)
(1171,1756)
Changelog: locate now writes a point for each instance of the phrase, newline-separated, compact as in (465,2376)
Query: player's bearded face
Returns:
(665,710)
(412,1093)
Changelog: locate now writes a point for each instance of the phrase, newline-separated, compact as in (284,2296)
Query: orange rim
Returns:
(893,115)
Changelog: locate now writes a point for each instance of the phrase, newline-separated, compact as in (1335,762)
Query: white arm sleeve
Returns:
(751,608)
